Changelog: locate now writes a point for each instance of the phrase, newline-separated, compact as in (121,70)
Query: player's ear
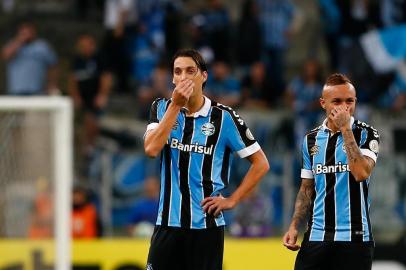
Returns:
(205,75)
(323,103)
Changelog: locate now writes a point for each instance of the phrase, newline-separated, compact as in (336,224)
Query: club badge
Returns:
(208,129)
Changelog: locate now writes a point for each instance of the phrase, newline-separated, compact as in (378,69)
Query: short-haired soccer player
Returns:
(338,159)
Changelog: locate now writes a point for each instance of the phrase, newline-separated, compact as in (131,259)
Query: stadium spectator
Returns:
(148,45)
(120,19)
(277,19)
(41,220)
(143,215)
(257,90)
(249,37)
(215,25)
(195,166)
(338,159)
(31,63)
(223,86)
(302,97)
(173,27)
(159,85)
(211,32)
(330,16)
(89,86)
(85,223)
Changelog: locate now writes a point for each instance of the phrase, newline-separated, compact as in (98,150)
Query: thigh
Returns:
(357,256)
(206,249)
(166,250)
(313,256)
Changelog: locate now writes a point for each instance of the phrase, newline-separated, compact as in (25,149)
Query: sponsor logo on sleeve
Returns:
(249,135)
(374,146)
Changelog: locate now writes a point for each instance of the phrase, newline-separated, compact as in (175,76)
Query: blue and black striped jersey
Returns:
(341,205)
(196,160)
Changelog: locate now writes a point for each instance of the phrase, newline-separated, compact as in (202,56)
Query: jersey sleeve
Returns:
(306,171)
(239,136)
(370,147)
(153,115)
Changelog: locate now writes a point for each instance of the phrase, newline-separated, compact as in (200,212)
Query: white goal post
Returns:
(61,117)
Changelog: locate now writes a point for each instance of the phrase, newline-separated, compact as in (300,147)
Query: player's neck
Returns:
(194,104)
(332,127)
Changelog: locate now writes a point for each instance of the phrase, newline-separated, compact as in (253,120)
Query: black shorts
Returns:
(186,249)
(334,256)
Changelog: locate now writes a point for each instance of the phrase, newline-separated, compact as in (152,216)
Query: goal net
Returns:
(35,175)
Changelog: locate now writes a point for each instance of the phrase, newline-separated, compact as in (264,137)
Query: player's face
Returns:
(338,95)
(185,68)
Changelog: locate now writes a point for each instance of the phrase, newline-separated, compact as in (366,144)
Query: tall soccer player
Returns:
(195,138)
(338,159)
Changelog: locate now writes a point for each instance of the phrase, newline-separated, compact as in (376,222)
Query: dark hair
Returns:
(195,55)
(337,79)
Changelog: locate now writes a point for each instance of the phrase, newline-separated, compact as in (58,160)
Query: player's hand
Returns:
(340,116)
(214,205)
(290,239)
(182,92)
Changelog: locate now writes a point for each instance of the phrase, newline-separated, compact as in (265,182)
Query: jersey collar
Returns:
(204,111)
(325,128)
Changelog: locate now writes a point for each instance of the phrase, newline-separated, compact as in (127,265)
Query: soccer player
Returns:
(338,159)
(195,137)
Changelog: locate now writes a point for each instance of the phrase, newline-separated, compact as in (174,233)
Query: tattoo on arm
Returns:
(351,147)
(304,201)
(370,164)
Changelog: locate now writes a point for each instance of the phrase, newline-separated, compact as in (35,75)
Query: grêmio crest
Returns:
(208,129)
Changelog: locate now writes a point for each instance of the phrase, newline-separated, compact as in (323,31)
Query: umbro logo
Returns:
(314,150)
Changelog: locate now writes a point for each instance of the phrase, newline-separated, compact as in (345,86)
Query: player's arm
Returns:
(302,209)
(156,138)
(259,167)
(361,166)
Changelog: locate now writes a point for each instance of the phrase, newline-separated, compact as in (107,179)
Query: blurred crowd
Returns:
(248,69)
